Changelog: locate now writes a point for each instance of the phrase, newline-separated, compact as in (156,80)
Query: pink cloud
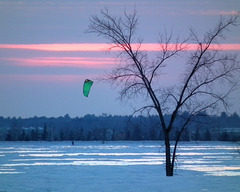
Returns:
(223,47)
(213,12)
(229,12)
(102,47)
(63,62)
(11,78)
(189,47)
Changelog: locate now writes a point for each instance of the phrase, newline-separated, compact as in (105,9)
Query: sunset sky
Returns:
(46,54)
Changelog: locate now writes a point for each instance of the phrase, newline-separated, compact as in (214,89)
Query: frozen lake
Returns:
(117,166)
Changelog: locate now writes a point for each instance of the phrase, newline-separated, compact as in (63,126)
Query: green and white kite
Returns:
(86,87)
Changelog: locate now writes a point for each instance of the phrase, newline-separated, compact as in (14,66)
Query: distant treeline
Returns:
(107,127)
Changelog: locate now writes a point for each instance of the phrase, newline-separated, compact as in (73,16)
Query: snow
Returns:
(117,166)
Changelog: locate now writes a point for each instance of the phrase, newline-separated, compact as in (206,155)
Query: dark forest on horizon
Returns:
(107,127)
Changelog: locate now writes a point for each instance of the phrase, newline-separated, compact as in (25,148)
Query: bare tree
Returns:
(198,90)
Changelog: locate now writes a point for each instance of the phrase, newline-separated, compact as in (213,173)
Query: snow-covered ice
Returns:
(117,166)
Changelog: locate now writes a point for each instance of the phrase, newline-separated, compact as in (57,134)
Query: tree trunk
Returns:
(169,170)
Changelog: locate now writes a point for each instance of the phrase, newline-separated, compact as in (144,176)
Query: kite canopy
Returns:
(86,87)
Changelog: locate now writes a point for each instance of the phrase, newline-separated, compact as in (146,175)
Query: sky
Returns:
(46,54)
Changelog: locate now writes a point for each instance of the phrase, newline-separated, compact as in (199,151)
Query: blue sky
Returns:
(45,54)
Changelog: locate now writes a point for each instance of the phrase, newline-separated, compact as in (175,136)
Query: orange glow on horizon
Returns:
(103,47)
